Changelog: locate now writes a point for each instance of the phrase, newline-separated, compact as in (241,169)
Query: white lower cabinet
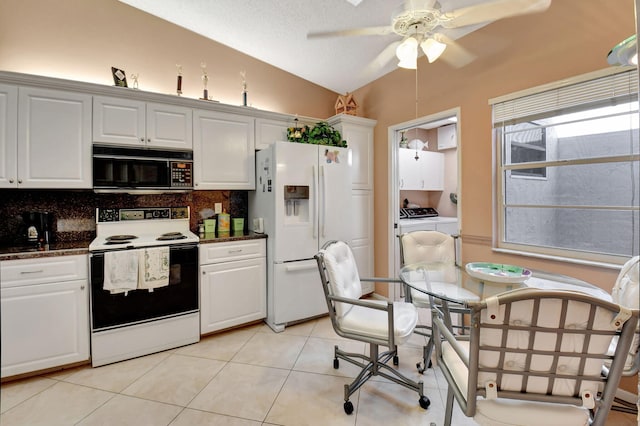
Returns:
(233,284)
(45,313)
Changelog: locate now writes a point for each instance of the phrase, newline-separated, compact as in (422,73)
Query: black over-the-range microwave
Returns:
(119,169)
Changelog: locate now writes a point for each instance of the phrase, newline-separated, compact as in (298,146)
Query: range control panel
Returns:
(418,212)
(147,213)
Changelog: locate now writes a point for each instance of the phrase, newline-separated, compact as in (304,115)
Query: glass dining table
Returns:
(450,288)
(455,285)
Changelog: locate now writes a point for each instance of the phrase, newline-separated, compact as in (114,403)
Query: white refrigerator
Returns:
(303,196)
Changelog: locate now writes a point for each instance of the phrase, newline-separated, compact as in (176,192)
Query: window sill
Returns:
(560,259)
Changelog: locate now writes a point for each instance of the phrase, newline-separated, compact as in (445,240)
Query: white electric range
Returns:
(426,219)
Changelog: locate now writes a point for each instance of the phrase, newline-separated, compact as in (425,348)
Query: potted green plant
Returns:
(320,134)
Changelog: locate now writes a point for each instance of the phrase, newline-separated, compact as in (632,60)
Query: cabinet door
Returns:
(118,121)
(54,139)
(8,136)
(409,170)
(362,241)
(431,171)
(44,326)
(360,140)
(223,151)
(169,126)
(447,137)
(270,131)
(232,293)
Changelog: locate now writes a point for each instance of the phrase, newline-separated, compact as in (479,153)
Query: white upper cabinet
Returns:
(424,174)
(223,151)
(136,123)
(8,136)
(54,139)
(270,131)
(447,137)
(358,132)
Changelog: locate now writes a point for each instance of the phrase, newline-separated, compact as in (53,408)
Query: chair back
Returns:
(427,246)
(339,274)
(626,292)
(547,346)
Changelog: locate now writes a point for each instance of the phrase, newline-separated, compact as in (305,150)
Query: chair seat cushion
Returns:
(374,323)
(503,411)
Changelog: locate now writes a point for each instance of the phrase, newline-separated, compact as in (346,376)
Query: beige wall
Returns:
(572,37)
(82,40)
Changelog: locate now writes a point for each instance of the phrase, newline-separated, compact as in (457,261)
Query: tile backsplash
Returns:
(74,211)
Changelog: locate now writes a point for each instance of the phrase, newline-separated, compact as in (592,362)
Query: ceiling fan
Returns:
(425,24)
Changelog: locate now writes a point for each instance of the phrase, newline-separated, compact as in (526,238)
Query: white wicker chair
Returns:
(626,292)
(534,357)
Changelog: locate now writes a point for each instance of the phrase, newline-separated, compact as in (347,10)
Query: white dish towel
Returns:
(154,268)
(121,271)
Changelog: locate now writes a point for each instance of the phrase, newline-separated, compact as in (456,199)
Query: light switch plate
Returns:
(217,208)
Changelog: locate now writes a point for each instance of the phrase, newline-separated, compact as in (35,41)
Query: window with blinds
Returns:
(568,168)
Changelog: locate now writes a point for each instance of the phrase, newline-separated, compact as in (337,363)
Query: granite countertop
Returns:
(67,248)
(221,238)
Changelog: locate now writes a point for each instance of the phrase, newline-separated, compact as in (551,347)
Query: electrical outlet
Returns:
(217,208)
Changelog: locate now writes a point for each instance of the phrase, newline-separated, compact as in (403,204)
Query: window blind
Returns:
(602,89)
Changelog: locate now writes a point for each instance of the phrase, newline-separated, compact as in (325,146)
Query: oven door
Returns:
(179,297)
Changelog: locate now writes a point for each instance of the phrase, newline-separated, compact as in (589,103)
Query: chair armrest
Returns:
(360,302)
(381,280)
(440,326)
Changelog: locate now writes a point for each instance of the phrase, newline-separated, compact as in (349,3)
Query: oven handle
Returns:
(188,246)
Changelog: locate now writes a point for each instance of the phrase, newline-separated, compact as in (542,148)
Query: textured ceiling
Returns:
(275,32)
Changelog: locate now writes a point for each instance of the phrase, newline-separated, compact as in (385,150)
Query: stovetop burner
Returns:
(169,236)
(142,227)
(119,238)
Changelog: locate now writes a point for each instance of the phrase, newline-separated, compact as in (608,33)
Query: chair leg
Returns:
(427,350)
(449,408)
(376,366)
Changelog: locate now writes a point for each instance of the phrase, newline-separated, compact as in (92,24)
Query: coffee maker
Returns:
(36,228)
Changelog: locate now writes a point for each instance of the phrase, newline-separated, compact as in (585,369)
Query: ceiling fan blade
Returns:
(492,11)
(381,60)
(455,55)
(352,32)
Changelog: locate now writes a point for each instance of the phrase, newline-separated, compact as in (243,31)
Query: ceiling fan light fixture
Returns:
(624,53)
(407,53)
(432,48)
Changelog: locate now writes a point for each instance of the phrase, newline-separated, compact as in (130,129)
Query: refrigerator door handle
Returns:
(315,201)
(294,268)
(322,212)
(324,199)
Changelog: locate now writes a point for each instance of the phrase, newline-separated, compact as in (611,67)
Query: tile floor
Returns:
(249,376)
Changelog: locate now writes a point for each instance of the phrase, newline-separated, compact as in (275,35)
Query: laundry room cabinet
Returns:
(424,174)
(233,284)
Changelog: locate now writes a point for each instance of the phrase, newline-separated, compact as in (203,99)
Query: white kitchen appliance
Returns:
(303,194)
(141,320)
(426,219)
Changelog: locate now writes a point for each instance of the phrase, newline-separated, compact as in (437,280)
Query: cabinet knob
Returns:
(142,140)
(81,287)
(10,180)
(19,180)
(149,140)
